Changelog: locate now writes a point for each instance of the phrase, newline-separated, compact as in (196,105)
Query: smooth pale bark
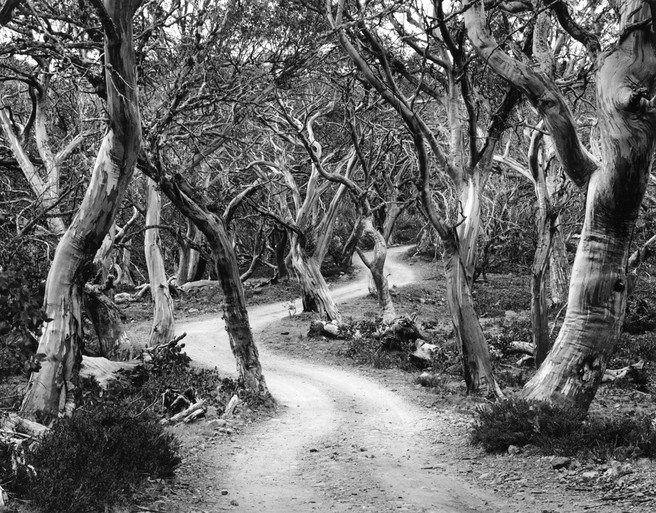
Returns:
(470,224)
(459,254)
(52,389)
(597,298)
(126,262)
(195,271)
(163,328)
(377,268)
(46,190)
(316,295)
(474,350)
(226,268)
(540,90)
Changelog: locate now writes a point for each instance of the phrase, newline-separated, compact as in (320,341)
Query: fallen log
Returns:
(323,328)
(125,297)
(12,424)
(521,347)
(183,415)
(612,375)
(104,371)
(193,286)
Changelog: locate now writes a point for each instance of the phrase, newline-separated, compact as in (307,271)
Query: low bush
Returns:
(562,431)
(95,459)
(21,318)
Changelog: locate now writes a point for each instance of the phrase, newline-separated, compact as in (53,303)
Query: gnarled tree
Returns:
(625,82)
(52,389)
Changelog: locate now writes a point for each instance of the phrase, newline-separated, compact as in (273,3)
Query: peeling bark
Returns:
(316,295)
(597,298)
(539,90)
(52,389)
(474,350)
(377,268)
(163,329)
(226,268)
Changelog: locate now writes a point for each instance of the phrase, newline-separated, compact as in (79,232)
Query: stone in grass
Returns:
(560,462)
(514,450)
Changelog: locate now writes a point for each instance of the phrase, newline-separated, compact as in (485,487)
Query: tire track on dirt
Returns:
(342,443)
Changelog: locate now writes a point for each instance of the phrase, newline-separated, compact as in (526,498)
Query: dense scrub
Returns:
(95,459)
(558,430)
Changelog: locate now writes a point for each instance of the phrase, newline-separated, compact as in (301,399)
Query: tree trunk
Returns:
(52,389)
(184,271)
(558,263)
(45,190)
(163,329)
(104,257)
(345,259)
(558,268)
(114,342)
(539,307)
(316,295)
(545,228)
(227,269)
(470,226)
(575,367)
(474,350)
(377,268)
(280,239)
(126,261)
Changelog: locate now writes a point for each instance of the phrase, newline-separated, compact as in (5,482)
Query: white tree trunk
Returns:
(163,329)
(52,389)
(316,295)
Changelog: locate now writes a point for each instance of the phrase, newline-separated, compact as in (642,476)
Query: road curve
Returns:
(343,442)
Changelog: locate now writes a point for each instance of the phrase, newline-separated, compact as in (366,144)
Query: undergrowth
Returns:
(102,455)
(95,459)
(563,431)
(366,342)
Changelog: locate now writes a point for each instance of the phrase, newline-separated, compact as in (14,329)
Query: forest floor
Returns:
(348,436)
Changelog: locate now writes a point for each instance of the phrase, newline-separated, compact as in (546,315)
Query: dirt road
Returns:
(342,443)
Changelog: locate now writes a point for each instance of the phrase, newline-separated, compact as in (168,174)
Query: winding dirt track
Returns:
(342,443)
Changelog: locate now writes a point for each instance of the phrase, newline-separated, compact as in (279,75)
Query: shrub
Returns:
(562,430)
(96,459)
(21,318)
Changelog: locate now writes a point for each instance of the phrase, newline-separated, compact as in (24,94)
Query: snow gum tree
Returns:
(626,86)
(430,90)
(51,390)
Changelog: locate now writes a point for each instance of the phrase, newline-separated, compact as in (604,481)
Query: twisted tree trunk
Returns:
(626,86)
(225,265)
(377,268)
(316,295)
(52,389)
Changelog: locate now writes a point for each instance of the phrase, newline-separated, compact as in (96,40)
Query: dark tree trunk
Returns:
(227,270)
